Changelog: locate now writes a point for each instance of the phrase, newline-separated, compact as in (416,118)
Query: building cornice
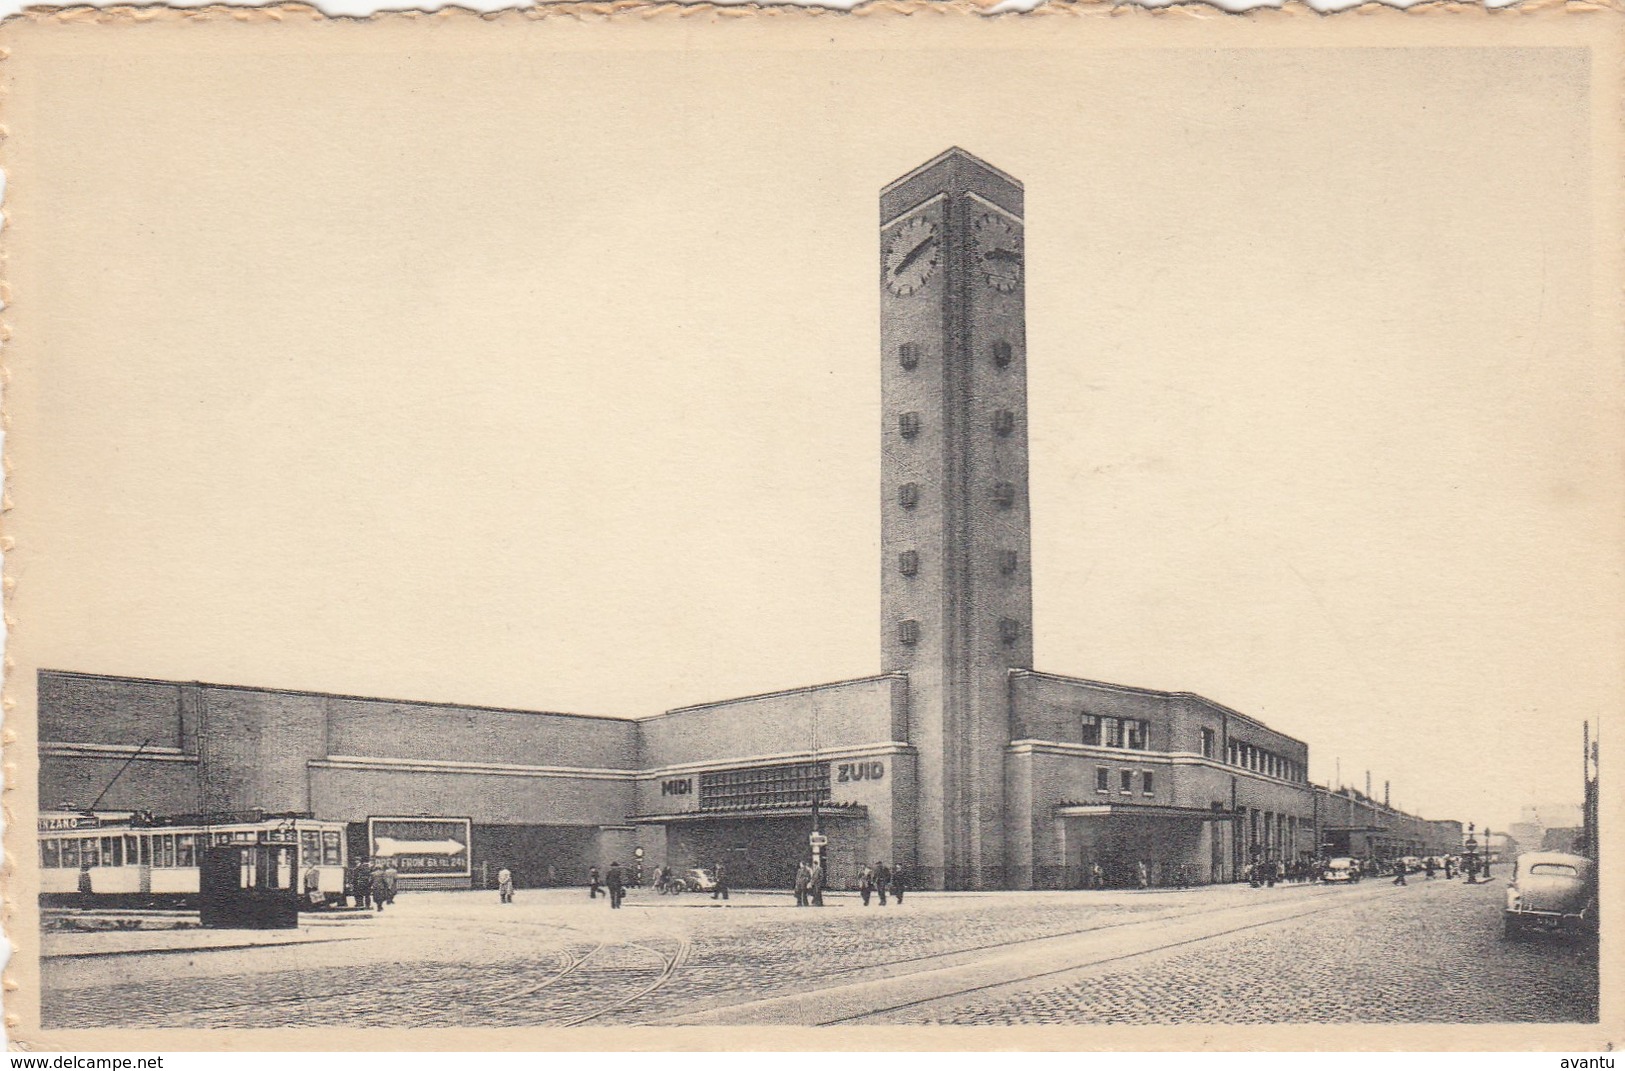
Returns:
(1131,689)
(63,749)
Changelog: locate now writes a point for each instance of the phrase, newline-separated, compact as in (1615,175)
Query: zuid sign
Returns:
(860,771)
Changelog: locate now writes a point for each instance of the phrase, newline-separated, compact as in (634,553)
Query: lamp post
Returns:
(1488,854)
(1469,861)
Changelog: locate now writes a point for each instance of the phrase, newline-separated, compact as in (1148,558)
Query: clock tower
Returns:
(956,582)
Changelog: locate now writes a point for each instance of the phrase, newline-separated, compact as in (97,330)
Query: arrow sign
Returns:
(392,846)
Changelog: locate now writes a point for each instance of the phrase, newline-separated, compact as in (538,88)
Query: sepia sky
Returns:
(549,377)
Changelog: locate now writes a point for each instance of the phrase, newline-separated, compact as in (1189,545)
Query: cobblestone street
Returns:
(1370,953)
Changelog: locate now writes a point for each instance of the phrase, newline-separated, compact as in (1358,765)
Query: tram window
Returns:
(146,849)
(183,850)
(89,855)
(70,852)
(131,850)
(310,847)
(115,857)
(50,852)
(166,850)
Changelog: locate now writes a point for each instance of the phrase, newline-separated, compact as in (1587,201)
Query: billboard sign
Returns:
(423,847)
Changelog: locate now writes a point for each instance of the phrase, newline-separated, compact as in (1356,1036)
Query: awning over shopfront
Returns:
(1138,810)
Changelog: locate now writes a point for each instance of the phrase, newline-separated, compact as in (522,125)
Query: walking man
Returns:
(899,881)
(815,883)
(722,883)
(616,880)
(866,884)
(593,887)
(803,882)
(1399,872)
(882,881)
(505,885)
(1427,868)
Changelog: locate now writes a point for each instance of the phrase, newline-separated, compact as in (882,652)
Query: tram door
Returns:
(248,886)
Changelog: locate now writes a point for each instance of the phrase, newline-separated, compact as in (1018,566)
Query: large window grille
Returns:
(765,786)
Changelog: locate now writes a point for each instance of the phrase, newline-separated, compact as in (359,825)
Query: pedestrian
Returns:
(803,882)
(866,884)
(659,879)
(1142,874)
(899,882)
(505,885)
(313,888)
(616,880)
(593,885)
(882,881)
(392,881)
(1427,868)
(1450,868)
(815,883)
(721,891)
(378,886)
(361,884)
(1399,872)
(1272,872)
(1097,875)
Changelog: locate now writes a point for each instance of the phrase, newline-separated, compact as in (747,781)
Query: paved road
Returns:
(1371,953)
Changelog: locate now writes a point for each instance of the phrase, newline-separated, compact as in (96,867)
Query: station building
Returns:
(959,761)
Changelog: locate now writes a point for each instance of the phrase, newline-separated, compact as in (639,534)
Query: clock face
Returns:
(911,256)
(998,252)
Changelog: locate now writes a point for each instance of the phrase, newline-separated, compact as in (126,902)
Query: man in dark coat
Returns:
(882,881)
(593,886)
(616,880)
(721,891)
(899,882)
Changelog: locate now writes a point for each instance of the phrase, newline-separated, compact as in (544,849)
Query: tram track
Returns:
(823,1005)
(670,966)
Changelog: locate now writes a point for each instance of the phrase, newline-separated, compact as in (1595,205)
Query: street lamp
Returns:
(1469,861)
(1487,853)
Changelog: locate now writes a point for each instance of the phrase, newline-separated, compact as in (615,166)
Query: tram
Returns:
(133,858)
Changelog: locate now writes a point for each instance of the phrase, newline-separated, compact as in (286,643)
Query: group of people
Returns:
(880,879)
(373,883)
(1270,872)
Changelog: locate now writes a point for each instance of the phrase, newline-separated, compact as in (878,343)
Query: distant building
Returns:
(960,761)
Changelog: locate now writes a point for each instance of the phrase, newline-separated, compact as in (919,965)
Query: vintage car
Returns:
(696,880)
(1411,863)
(1341,868)
(1552,891)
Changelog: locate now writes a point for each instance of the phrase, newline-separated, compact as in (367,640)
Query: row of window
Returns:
(1116,732)
(1265,762)
(1133,734)
(1125,781)
(908,631)
(909,354)
(791,784)
(1003,421)
(168,849)
(908,562)
(1003,494)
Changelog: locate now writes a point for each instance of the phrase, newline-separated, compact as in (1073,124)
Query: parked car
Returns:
(1411,863)
(1340,869)
(1551,891)
(695,880)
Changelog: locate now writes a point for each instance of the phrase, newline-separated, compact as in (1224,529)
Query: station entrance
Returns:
(763,852)
(1125,847)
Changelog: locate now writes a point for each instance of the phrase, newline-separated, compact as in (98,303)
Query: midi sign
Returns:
(423,847)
